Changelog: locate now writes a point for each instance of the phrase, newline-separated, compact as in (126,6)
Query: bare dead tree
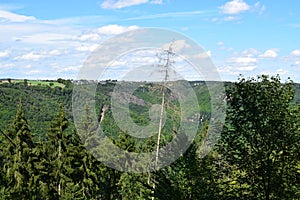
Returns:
(166,61)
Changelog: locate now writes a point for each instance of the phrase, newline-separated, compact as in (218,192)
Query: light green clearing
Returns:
(36,82)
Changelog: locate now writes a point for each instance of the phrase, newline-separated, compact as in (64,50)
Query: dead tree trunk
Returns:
(166,63)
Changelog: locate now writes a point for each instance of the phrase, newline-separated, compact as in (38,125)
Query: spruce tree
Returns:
(19,161)
(56,151)
(96,180)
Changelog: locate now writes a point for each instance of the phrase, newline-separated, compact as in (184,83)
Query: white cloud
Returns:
(247,68)
(220,43)
(54,52)
(156,1)
(34,43)
(68,69)
(88,37)
(209,53)
(236,70)
(250,52)
(4,54)
(118,4)
(258,8)
(115,29)
(271,53)
(243,63)
(7,65)
(235,7)
(230,18)
(45,38)
(36,71)
(228,70)
(28,66)
(90,47)
(281,71)
(12,17)
(35,56)
(247,60)
(203,55)
(215,19)
(222,46)
(296,52)
(277,71)
(226,19)
(113,4)
(30,56)
(174,15)
(177,45)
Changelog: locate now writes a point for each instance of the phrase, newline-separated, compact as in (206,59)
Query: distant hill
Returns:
(41,100)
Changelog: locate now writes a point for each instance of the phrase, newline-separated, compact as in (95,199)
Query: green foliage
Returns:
(261,137)
(40,104)
(18,159)
(43,157)
(134,186)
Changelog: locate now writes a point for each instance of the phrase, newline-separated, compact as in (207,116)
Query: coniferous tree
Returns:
(97,181)
(3,182)
(56,151)
(19,159)
(44,171)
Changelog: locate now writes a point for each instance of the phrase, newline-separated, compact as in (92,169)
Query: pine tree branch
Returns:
(7,137)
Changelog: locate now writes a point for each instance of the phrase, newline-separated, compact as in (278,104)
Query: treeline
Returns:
(257,156)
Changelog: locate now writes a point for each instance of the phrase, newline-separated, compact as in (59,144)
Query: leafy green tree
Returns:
(60,80)
(25,82)
(261,137)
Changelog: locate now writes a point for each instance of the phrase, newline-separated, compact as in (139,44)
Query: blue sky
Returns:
(51,39)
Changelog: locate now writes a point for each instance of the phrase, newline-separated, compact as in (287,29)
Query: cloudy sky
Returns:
(52,39)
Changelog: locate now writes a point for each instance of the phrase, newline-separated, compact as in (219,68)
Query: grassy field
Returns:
(50,83)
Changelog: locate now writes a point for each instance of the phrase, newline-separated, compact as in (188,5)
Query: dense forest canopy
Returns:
(43,157)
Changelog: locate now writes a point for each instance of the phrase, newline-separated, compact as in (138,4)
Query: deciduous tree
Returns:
(261,136)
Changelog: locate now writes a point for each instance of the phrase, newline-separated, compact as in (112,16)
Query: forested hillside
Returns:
(256,157)
(41,103)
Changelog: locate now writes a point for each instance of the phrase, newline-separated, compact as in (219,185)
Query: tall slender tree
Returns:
(166,60)
(56,150)
(19,165)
